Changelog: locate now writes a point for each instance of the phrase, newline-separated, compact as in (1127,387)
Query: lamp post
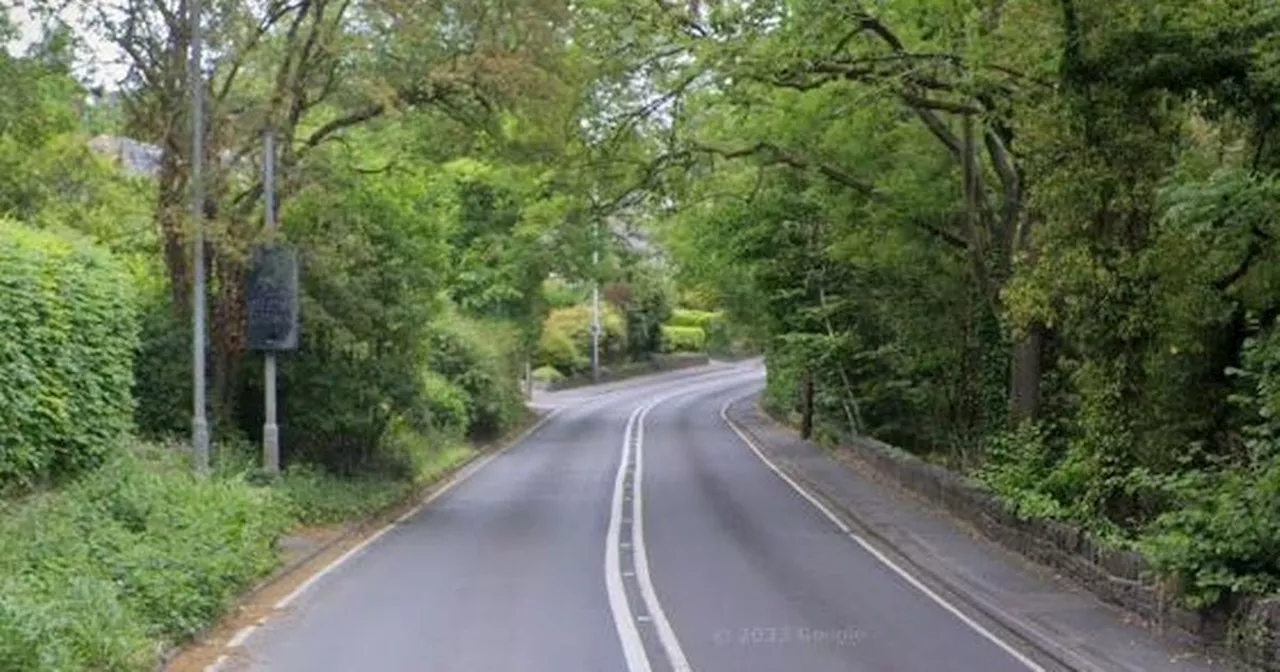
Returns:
(195,80)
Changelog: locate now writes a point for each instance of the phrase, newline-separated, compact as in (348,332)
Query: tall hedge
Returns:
(67,337)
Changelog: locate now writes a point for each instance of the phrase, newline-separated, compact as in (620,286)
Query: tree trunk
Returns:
(806,408)
(171,220)
(228,337)
(1024,376)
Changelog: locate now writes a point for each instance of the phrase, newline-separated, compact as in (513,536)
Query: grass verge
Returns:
(114,569)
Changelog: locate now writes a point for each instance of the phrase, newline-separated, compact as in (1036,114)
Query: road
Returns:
(633,531)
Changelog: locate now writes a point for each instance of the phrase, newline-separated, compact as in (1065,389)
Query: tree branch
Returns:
(777,155)
(353,119)
(921,102)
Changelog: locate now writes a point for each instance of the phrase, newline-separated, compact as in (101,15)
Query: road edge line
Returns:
(463,474)
(844,527)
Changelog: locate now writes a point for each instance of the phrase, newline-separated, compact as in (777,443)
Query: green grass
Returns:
(102,574)
(107,572)
(317,498)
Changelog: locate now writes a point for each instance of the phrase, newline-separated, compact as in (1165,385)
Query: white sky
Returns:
(101,64)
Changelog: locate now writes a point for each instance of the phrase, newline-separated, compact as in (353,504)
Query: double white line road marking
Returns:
(628,505)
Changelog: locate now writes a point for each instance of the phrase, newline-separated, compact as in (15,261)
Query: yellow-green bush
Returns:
(67,336)
(684,317)
(565,327)
(683,339)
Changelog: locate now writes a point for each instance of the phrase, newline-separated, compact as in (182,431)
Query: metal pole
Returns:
(595,306)
(270,430)
(199,423)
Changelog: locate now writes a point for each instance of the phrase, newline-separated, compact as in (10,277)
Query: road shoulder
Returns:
(308,553)
(1046,611)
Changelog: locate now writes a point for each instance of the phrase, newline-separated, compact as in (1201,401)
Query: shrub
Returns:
(560,294)
(683,317)
(683,339)
(137,555)
(572,326)
(67,334)
(719,338)
(556,350)
(547,374)
(448,406)
(1222,538)
(479,357)
(162,370)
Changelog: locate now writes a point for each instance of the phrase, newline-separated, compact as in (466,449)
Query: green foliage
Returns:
(1221,537)
(447,405)
(1221,533)
(67,335)
(480,358)
(702,319)
(560,294)
(548,374)
(1018,465)
(314,497)
(162,370)
(373,257)
(565,342)
(645,300)
(683,339)
(138,555)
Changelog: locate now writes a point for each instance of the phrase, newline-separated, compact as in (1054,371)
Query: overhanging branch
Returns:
(774,154)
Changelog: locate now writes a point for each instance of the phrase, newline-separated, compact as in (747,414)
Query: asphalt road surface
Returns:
(633,531)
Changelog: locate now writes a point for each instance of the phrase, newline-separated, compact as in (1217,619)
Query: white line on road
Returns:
(666,634)
(239,638)
(632,646)
(900,571)
(457,479)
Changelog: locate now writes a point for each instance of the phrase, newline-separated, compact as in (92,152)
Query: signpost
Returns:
(273,309)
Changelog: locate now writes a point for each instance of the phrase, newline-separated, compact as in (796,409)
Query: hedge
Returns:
(702,319)
(67,338)
(683,339)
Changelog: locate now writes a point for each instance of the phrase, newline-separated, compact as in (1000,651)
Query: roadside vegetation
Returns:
(1034,242)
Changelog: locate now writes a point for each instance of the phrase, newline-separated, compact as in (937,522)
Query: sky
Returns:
(102,64)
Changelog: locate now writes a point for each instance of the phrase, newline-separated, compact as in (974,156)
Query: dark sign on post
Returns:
(273,299)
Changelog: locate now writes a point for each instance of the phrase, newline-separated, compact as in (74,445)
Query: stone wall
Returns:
(1249,630)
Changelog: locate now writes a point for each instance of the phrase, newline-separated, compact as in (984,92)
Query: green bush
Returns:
(719,338)
(1223,536)
(314,497)
(547,374)
(368,297)
(560,294)
(683,317)
(448,406)
(567,327)
(646,299)
(479,357)
(138,555)
(162,370)
(67,335)
(556,350)
(683,339)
